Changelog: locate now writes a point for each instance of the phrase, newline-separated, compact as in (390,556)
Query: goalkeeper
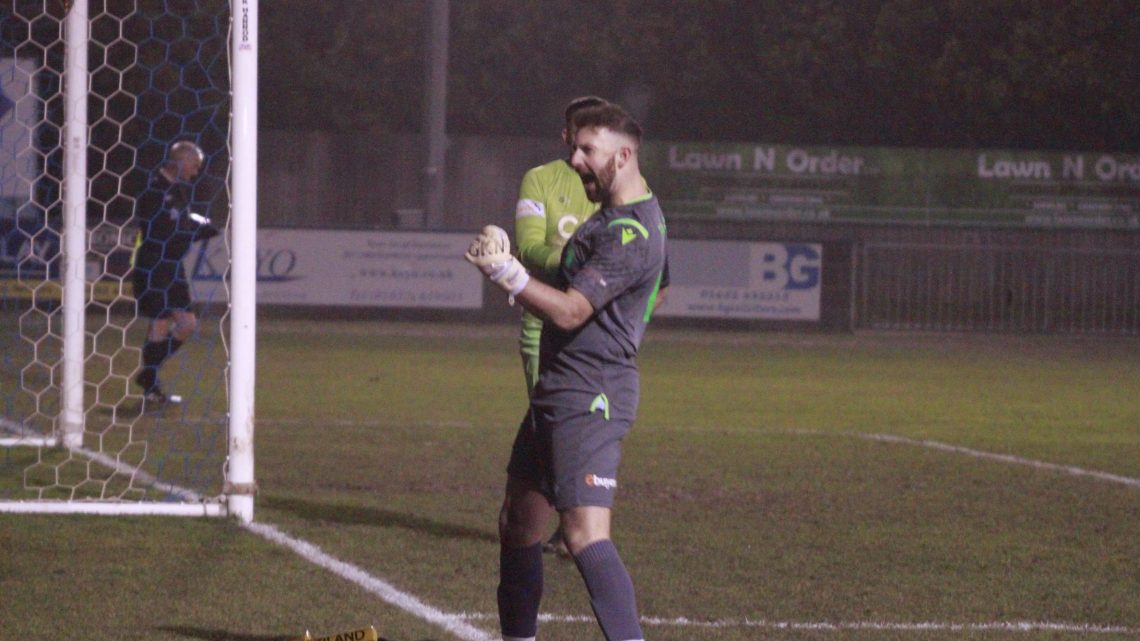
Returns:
(167,227)
(551,205)
(566,453)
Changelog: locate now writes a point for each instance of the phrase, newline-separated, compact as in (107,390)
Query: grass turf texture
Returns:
(746,492)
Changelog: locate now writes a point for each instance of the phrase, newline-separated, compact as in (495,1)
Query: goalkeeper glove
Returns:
(511,276)
(491,253)
(492,245)
(204,228)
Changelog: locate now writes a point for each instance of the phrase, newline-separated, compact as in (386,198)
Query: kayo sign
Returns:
(352,269)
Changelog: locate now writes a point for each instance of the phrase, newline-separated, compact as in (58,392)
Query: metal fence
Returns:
(935,287)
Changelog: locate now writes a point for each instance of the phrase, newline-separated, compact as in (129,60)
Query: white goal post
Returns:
(93,94)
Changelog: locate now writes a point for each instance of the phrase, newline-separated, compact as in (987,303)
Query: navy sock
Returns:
(611,591)
(153,355)
(520,590)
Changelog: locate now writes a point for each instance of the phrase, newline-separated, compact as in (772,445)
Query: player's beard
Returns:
(599,184)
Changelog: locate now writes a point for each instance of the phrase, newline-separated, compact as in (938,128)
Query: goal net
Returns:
(93,95)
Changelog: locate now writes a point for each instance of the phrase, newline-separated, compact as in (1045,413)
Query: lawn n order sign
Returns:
(904,186)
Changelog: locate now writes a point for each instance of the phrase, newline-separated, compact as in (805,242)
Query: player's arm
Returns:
(530,227)
(202,226)
(147,206)
(530,236)
(568,310)
(147,249)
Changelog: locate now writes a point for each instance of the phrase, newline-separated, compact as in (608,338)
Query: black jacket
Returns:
(167,227)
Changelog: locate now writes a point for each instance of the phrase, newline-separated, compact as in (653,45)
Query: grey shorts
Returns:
(571,449)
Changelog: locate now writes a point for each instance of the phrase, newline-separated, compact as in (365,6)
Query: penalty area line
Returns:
(458,625)
(386,591)
(1010,459)
(837,626)
(1004,458)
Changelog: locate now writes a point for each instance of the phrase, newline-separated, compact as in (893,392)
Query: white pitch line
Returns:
(114,464)
(386,591)
(26,435)
(1004,458)
(456,623)
(378,423)
(136,473)
(936,626)
(1071,470)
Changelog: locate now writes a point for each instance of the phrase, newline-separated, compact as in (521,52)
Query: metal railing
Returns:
(922,286)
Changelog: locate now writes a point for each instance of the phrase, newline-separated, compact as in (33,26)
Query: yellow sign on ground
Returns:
(363,634)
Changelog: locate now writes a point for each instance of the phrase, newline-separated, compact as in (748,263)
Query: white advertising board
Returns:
(745,280)
(709,279)
(349,268)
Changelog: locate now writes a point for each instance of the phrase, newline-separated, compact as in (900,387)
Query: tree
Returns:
(1047,74)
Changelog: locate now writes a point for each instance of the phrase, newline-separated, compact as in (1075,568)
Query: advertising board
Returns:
(889,185)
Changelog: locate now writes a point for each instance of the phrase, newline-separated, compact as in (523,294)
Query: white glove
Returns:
(511,276)
(199,218)
(491,253)
(492,245)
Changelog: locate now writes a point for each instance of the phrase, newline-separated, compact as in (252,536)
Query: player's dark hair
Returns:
(580,103)
(608,116)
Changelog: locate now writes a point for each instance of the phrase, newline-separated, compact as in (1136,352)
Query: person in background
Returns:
(552,204)
(167,227)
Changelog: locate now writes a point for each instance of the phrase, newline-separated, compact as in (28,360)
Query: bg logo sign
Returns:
(784,266)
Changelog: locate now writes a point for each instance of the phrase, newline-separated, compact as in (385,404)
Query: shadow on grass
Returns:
(223,635)
(355,515)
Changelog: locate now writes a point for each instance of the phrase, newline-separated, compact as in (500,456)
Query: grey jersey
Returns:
(616,259)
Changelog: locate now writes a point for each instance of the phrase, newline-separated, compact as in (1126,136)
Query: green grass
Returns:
(748,491)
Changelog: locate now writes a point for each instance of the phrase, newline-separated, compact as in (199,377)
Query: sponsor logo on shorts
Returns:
(593,480)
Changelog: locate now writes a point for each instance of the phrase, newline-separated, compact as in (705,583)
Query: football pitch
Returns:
(775,486)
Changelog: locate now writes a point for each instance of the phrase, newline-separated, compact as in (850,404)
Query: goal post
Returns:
(92,95)
(240,484)
(74,277)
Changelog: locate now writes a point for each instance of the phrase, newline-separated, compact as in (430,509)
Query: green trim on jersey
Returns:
(652,303)
(568,258)
(640,199)
(629,222)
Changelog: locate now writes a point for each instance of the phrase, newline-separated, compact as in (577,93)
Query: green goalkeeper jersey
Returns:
(552,203)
